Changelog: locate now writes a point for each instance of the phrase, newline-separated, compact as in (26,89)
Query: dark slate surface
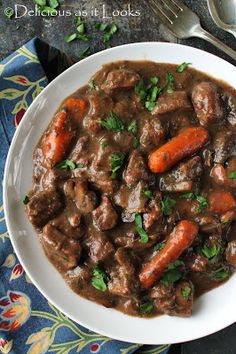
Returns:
(15,32)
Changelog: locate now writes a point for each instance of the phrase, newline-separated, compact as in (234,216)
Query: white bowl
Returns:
(212,311)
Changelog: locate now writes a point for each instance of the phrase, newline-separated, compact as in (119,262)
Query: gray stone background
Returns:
(15,32)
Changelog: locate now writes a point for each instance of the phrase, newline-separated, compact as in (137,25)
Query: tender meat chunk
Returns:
(207,103)
(183,178)
(125,259)
(184,299)
(224,146)
(120,79)
(80,149)
(98,246)
(69,222)
(131,240)
(54,177)
(152,134)
(133,200)
(231,110)
(79,276)
(170,102)
(196,262)
(153,214)
(104,183)
(209,224)
(63,252)
(43,206)
(77,190)
(105,216)
(220,174)
(231,253)
(136,169)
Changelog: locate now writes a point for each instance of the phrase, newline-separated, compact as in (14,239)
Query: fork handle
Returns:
(201,33)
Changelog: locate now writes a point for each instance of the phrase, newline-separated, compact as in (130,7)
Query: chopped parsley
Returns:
(79,31)
(232,175)
(167,204)
(203,202)
(158,247)
(148,93)
(209,252)
(172,274)
(66,165)
(219,274)
(26,199)
(139,227)
(133,128)
(113,123)
(99,279)
(148,194)
(146,307)
(108,30)
(169,83)
(103,142)
(92,85)
(186,291)
(47,6)
(135,142)
(84,53)
(116,161)
(182,67)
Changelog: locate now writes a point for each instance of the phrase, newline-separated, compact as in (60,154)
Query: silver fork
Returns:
(184,23)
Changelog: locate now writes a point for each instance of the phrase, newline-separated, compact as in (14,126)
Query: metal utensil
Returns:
(184,23)
(223,14)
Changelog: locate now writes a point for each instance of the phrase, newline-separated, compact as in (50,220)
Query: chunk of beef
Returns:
(43,206)
(153,214)
(207,103)
(170,102)
(104,183)
(54,177)
(196,262)
(136,169)
(152,134)
(80,149)
(231,109)
(133,200)
(98,246)
(79,277)
(63,252)
(125,259)
(209,224)
(77,190)
(120,79)
(69,222)
(224,146)
(131,240)
(220,174)
(231,253)
(105,216)
(183,178)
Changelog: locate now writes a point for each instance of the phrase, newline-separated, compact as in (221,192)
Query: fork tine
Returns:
(158,9)
(171,6)
(179,4)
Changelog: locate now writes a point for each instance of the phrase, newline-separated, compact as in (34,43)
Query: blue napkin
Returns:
(28,323)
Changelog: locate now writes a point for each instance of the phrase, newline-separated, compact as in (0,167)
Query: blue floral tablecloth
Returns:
(28,323)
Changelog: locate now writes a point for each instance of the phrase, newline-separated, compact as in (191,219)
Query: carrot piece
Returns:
(76,105)
(183,145)
(58,140)
(221,202)
(181,238)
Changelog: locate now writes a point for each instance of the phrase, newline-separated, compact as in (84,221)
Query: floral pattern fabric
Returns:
(28,323)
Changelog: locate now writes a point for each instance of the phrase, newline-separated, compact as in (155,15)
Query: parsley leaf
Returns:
(203,203)
(166,205)
(66,164)
(113,123)
(148,93)
(182,67)
(210,252)
(147,307)
(139,226)
(80,31)
(116,161)
(232,175)
(92,85)
(99,279)
(219,274)
(133,127)
(71,37)
(108,30)
(159,246)
(186,291)
(26,199)
(84,53)
(148,194)
(170,83)
(172,274)
(188,195)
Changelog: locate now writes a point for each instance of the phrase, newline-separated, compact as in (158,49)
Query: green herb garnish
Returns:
(148,93)
(170,83)
(147,307)
(47,6)
(203,203)
(219,274)
(26,199)
(113,123)
(92,85)
(158,247)
(186,291)
(166,205)
(84,53)
(71,37)
(182,67)
(108,30)
(116,161)
(232,175)
(188,195)
(210,252)
(133,127)
(66,164)
(139,227)
(148,194)
(99,279)
(135,142)
(172,274)
(79,31)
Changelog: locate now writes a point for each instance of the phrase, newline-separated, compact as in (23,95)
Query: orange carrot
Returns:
(58,140)
(221,202)
(77,106)
(183,145)
(181,238)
